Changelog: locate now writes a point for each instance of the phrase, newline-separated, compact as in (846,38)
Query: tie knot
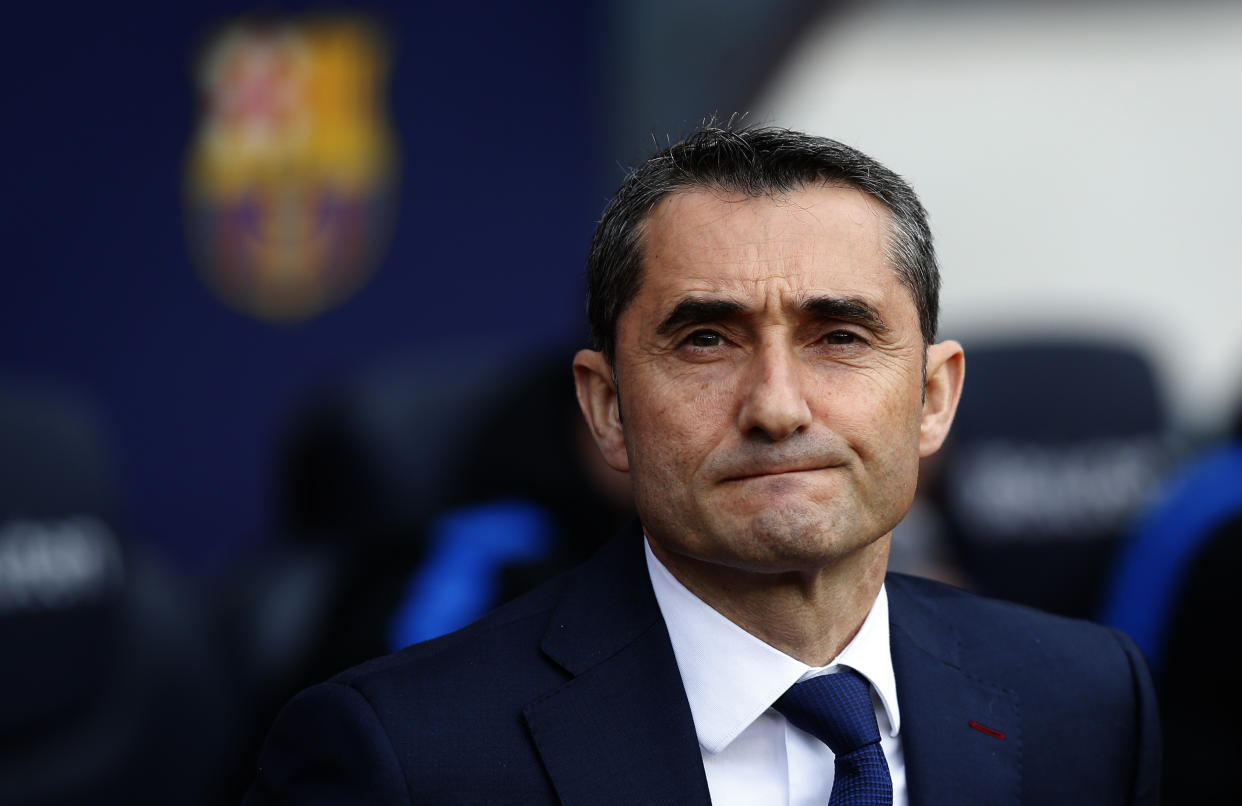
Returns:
(834,708)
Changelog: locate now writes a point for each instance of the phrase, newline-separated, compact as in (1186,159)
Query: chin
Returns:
(797,538)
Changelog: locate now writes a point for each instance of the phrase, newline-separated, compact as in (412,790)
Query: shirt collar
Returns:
(731,677)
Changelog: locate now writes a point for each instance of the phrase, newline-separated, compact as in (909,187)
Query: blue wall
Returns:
(496,107)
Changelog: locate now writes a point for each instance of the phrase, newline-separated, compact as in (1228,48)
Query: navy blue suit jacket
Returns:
(571,695)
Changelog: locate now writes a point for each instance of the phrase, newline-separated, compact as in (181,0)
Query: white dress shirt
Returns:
(751,754)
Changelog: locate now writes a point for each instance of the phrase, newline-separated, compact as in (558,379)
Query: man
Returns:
(764,307)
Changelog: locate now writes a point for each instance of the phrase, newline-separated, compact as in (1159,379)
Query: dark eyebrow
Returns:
(699,311)
(847,309)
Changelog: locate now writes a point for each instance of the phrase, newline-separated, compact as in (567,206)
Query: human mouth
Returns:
(772,472)
(790,460)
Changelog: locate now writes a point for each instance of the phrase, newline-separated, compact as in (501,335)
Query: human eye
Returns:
(842,338)
(704,339)
(702,343)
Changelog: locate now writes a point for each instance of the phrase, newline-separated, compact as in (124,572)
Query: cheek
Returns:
(678,409)
(674,428)
(879,420)
(895,457)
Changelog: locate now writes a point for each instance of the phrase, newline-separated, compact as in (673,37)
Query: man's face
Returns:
(769,380)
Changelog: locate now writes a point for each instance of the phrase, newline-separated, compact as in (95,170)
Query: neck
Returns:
(809,615)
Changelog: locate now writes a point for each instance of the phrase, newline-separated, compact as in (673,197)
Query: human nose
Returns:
(774,405)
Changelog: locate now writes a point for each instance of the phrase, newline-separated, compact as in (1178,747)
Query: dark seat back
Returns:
(1056,446)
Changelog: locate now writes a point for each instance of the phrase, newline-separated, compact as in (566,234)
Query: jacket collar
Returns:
(961,733)
(620,731)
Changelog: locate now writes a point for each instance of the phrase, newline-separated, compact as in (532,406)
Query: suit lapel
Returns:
(961,734)
(620,731)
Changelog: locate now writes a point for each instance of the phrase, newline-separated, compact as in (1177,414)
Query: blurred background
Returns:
(291,292)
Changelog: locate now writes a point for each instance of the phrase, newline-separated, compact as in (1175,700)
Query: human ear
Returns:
(597,397)
(946,370)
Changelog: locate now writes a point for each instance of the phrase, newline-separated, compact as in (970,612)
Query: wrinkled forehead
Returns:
(821,238)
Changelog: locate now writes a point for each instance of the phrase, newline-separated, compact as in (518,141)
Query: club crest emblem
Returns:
(290,183)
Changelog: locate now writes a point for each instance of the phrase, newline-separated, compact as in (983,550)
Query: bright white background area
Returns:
(1082,166)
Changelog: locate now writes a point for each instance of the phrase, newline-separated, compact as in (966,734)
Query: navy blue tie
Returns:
(837,710)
